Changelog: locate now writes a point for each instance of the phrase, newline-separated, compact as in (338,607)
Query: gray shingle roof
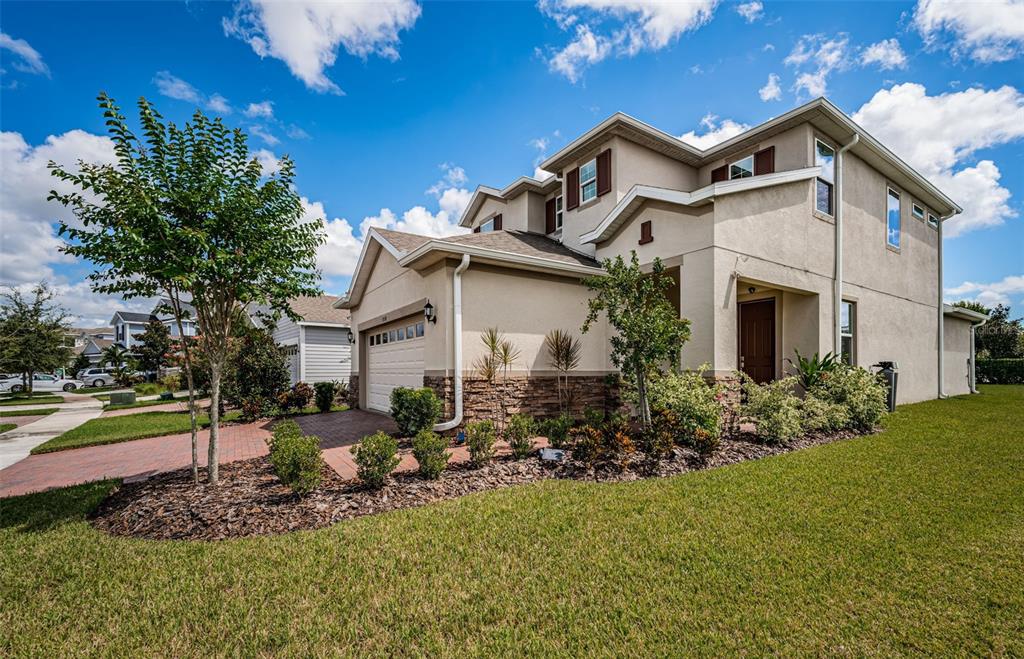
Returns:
(513,242)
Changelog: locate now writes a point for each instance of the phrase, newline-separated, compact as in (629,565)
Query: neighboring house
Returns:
(93,349)
(129,325)
(318,346)
(747,229)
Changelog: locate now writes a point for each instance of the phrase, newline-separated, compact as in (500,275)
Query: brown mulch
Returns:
(250,501)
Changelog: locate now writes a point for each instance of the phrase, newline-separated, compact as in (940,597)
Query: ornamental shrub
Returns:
(821,415)
(774,407)
(297,398)
(376,457)
(256,371)
(657,441)
(602,442)
(414,409)
(862,393)
(519,433)
(430,451)
(296,458)
(324,395)
(480,439)
(557,430)
(695,404)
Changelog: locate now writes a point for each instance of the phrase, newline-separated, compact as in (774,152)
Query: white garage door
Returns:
(395,360)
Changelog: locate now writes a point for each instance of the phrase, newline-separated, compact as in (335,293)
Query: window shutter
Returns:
(549,216)
(764,161)
(646,235)
(572,189)
(604,172)
(720,174)
(497,222)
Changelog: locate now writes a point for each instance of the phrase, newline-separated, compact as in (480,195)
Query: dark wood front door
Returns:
(757,340)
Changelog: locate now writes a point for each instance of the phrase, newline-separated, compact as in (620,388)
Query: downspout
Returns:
(456,344)
(837,293)
(941,314)
(974,368)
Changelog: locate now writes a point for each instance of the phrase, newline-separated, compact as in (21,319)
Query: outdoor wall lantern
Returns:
(428,312)
(351,337)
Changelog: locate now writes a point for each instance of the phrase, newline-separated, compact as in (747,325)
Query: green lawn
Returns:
(33,412)
(143,403)
(903,543)
(4,427)
(34,400)
(113,429)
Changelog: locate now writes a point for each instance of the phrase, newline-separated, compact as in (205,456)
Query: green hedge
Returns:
(1000,371)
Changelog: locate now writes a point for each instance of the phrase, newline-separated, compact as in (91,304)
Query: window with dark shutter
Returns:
(572,189)
(476,229)
(549,216)
(720,174)
(764,161)
(646,234)
(497,222)
(604,172)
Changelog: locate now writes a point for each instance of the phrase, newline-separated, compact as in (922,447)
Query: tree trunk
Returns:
(641,391)
(212,466)
(186,352)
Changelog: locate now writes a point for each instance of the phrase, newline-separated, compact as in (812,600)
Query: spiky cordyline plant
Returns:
(564,350)
(499,355)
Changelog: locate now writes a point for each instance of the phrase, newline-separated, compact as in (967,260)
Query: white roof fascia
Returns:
(474,201)
(646,192)
(380,240)
(322,324)
(498,255)
(961,312)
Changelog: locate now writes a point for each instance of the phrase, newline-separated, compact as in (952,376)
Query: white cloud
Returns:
(174,87)
(771,90)
(296,133)
(750,11)
(28,58)
(937,134)
(991,31)
(218,104)
(816,57)
(87,308)
(631,26)
(269,163)
(263,110)
(716,133)
(29,245)
(264,134)
(306,34)
(988,294)
(887,54)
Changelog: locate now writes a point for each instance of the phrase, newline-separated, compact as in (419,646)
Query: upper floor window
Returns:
(825,158)
(588,181)
(892,219)
(558,212)
(917,211)
(742,168)
(487,226)
(933,221)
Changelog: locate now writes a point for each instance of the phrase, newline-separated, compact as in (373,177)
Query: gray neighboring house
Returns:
(128,325)
(318,346)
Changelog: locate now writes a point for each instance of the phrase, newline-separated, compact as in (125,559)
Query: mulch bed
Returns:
(250,501)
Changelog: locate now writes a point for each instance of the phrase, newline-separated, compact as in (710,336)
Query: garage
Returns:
(395,354)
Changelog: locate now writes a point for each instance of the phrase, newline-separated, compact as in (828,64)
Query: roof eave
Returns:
(498,256)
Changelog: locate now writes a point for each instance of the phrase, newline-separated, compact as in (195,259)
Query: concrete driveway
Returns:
(15,445)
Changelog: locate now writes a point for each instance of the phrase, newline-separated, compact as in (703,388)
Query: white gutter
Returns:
(974,366)
(837,292)
(457,344)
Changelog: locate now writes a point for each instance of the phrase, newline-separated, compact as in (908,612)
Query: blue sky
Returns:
(394,113)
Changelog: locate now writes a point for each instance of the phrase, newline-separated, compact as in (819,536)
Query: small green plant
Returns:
(602,441)
(821,415)
(376,457)
(297,398)
(557,430)
(862,393)
(296,458)
(774,407)
(518,434)
(810,371)
(431,452)
(325,392)
(694,403)
(657,441)
(480,437)
(414,409)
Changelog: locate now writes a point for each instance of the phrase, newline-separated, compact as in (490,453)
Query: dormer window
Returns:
(588,181)
(487,226)
(493,224)
(742,168)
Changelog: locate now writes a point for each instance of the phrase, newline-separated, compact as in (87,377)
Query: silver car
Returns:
(41,382)
(97,376)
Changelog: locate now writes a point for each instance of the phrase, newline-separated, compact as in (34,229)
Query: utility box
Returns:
(122,398)
(890,373)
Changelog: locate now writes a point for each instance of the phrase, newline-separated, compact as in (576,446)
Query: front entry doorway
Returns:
(757,340)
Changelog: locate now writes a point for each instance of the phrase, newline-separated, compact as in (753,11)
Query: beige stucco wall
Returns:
(491,207)
(792,151)
(525,306)
(957,350)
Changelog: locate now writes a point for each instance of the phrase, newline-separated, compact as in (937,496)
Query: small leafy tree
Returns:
(32,329)
(257,373)
(564,352)
(187,212)
(648,331)
(80,363)
(154,348)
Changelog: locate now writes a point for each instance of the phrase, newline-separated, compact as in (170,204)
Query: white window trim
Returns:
(831,184)
(852,333)
(483,226)
(734,162)
(559,212)
(584,183)
(889,190)
(933,220)
(916,206)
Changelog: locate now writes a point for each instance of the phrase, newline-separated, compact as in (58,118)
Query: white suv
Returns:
(96,377)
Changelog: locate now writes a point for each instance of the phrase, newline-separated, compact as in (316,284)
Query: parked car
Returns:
(41,382)
(96,376)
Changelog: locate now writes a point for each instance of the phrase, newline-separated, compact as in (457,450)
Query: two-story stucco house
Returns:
(803,233)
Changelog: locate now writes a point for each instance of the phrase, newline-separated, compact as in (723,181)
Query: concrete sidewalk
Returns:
(17,444)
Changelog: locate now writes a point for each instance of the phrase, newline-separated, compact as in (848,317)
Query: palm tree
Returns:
(114,355)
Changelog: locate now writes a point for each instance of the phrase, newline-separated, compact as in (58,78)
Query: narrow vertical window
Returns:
(824,157)
(588,181)
(847,318)
(892,219)
(558,212)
